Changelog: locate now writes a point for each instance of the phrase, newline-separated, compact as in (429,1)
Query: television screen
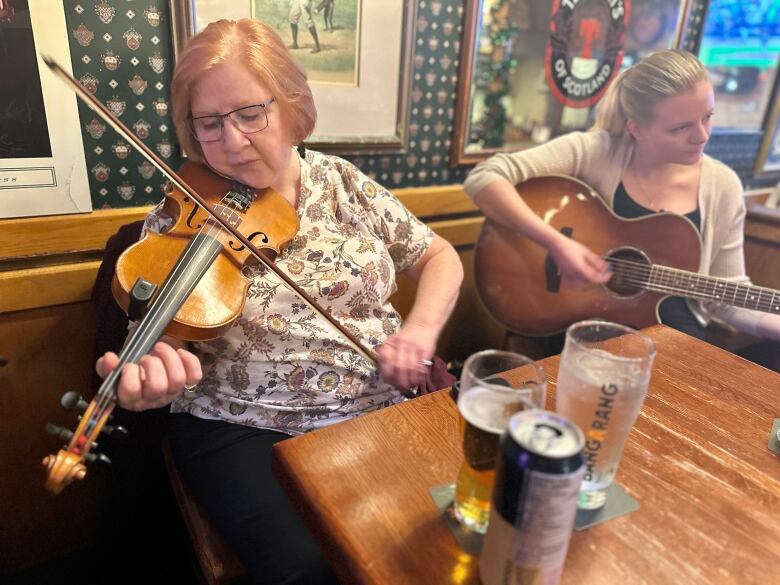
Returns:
(740,47)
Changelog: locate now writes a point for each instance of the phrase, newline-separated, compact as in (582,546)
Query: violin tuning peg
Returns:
(99,457)
(115,431)
(73,401)
(59,432)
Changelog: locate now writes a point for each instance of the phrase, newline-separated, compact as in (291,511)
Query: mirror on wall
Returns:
(531,70)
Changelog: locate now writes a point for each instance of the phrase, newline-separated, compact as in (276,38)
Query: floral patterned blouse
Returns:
(281,366)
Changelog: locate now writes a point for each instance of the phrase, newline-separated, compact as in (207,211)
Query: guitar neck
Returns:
(666,280)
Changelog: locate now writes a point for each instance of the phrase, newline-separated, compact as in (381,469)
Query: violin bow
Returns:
(147,153)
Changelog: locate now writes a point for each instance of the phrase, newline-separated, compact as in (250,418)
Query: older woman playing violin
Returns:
(241,105)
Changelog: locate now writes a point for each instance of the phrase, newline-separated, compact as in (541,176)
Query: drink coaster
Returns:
(442,495)
(619,502)
(774,443)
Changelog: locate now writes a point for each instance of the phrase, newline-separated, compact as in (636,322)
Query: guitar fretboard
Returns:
(672,281)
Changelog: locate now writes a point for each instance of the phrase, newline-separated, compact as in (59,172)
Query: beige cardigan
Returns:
(586,156)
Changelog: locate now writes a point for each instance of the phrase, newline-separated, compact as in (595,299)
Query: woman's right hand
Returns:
(158,378)
(578,264)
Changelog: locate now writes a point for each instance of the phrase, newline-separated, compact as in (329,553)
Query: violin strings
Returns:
(107,391)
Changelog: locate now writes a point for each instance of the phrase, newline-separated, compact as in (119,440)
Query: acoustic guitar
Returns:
(651,258)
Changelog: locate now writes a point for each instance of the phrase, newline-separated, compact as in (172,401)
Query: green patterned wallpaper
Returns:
(122,50)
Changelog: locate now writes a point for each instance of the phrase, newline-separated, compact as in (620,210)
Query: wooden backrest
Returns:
(218,563)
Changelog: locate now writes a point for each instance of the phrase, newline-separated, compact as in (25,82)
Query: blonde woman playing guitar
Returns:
(644,155)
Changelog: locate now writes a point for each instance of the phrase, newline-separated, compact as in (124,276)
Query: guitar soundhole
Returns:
(630,272)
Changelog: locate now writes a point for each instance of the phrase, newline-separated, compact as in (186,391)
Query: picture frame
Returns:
(366,114)
(768,159)
(505,101)
(43,170)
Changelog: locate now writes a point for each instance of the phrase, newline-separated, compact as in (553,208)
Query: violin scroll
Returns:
(62,469)
(69,463)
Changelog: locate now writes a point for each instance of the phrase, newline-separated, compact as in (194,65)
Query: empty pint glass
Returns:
(493,386)
(602,382)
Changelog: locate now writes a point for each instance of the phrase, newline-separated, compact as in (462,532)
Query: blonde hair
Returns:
(635,92)
(257,47)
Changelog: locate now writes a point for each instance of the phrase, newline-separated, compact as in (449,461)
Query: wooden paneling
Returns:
(426,202)
(762,244)
(49,352)
(36,236)
(40,236)
(35,240)
(48,286)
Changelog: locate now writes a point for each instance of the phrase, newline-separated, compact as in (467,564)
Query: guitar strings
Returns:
(666,279)
(653,275)
(641,270)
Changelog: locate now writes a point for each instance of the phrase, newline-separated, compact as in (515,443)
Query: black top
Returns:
(673,311)
(626,207)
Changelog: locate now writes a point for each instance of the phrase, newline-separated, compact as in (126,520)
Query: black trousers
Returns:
(228,468)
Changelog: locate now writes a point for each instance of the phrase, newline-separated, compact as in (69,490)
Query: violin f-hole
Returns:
(251,238)
(191,216)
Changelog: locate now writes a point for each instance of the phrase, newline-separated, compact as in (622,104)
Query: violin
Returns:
(207,260)
(187,282)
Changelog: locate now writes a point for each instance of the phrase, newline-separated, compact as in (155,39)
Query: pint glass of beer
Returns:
(493,386)
(602,382)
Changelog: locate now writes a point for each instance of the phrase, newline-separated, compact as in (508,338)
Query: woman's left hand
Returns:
(403,356)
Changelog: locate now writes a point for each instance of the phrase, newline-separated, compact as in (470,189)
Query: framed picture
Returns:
(768,159)
(347,49)
(42,165)
(531,70)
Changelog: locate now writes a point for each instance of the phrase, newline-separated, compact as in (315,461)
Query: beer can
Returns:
(538,476)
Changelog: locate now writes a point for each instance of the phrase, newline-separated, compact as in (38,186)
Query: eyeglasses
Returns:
(249,120)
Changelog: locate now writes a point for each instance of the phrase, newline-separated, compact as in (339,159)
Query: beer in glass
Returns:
(602,382)
(493,386)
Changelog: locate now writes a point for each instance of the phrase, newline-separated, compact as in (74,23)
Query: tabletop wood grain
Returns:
(696,460)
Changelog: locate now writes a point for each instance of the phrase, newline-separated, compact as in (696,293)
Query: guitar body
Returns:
(518,281)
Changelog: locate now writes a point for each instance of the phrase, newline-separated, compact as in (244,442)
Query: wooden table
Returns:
(697,461)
